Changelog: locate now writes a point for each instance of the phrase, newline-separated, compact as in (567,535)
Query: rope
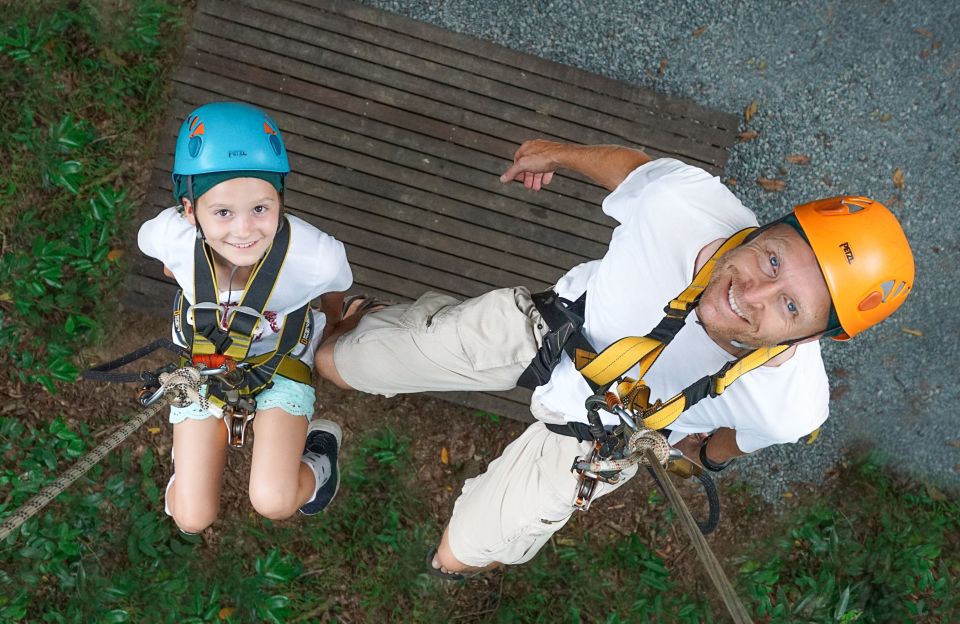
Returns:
(181,388)
(709,560)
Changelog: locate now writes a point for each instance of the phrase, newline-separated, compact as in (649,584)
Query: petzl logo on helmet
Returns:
(236,153)
(847,252)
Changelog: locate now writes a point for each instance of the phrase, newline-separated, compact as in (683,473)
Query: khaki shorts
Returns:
(526,495)
(439,343)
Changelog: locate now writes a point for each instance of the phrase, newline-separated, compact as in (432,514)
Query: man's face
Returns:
(239,218)
(766,292)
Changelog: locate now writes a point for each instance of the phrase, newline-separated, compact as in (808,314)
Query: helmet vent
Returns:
(193,147)
(852,208)
(870,301)
(275,144)
(899,288)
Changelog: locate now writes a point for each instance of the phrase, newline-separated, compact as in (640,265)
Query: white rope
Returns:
(181,388)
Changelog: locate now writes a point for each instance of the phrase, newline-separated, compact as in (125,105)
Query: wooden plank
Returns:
(492,402)
(573,76)
(468,84)
(442,96)
(672,115)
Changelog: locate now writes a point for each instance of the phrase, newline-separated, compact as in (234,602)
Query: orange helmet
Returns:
(864,256)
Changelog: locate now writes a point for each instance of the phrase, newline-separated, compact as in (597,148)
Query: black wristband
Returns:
(705,461)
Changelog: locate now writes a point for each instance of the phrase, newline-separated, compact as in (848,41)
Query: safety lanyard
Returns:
(600,370)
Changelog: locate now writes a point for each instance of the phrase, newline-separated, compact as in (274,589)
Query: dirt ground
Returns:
(471,439)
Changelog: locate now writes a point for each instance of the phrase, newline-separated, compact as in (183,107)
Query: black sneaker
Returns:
(321,453)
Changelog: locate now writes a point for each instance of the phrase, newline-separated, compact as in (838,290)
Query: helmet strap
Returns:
(193,203)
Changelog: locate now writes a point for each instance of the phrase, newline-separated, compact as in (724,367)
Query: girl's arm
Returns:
(331,304)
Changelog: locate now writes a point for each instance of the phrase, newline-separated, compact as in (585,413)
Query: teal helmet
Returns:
(229,136)
(223,140)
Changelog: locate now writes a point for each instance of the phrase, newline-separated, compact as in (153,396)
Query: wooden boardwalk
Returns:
(398,132)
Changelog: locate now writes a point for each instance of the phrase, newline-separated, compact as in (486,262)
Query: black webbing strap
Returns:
(103,371)
(256,292)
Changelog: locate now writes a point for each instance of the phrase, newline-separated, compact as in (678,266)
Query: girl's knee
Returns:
(194,519)
(273,501)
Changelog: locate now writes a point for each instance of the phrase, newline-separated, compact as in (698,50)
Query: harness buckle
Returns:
(587,484)
(235,417)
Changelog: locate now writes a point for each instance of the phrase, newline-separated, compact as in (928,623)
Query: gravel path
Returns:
(866,89)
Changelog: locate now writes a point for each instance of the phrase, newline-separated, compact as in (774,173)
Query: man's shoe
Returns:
(321,453)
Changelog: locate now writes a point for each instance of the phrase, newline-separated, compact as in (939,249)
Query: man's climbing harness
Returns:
(178,386)
(623,446)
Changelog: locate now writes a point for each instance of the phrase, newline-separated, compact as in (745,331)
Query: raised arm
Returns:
(535,162)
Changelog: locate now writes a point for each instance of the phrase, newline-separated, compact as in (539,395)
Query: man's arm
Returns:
(721,446)
(535,162)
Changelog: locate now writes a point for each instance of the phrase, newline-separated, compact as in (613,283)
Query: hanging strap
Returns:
(209,337)
(600,370)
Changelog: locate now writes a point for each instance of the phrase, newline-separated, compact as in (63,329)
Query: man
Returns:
(833,267)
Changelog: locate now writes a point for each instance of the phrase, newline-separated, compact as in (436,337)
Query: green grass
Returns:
(82,87)
(106,552)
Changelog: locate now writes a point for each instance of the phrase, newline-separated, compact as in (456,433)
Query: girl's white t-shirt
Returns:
(316,263)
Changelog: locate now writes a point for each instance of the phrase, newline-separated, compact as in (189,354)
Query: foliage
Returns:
(81,86)
(875,550)
(106,552)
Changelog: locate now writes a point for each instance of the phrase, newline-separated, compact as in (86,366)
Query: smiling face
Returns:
(239,219)
(765,292)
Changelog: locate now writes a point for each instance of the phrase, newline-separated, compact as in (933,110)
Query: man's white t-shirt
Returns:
(668,211)
(316,263)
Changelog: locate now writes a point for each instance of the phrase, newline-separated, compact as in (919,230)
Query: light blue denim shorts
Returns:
(293,397)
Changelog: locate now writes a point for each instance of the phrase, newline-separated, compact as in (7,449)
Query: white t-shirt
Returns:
(316,263)
(668,211)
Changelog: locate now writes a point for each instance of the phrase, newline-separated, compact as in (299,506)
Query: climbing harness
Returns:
(220,335)
(623,446)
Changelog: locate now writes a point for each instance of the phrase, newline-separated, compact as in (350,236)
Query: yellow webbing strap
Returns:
(663,415)
(686,300)
(624,354)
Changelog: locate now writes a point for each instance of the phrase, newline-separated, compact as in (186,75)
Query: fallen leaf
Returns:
(788,494)
(923,32)
(699,31)
(153,430)
(444,456)
(839,371)
(912,332)
(663,66)
(898,180)
(750,111)
(885,117)
(225,613)
(954,443)
(798,159)
(732,182)
(748,135)
(837,393)
(114,255)
(935,494)
(771,184)
(5,296)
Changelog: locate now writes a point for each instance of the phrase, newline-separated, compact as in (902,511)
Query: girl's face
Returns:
(239,219)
